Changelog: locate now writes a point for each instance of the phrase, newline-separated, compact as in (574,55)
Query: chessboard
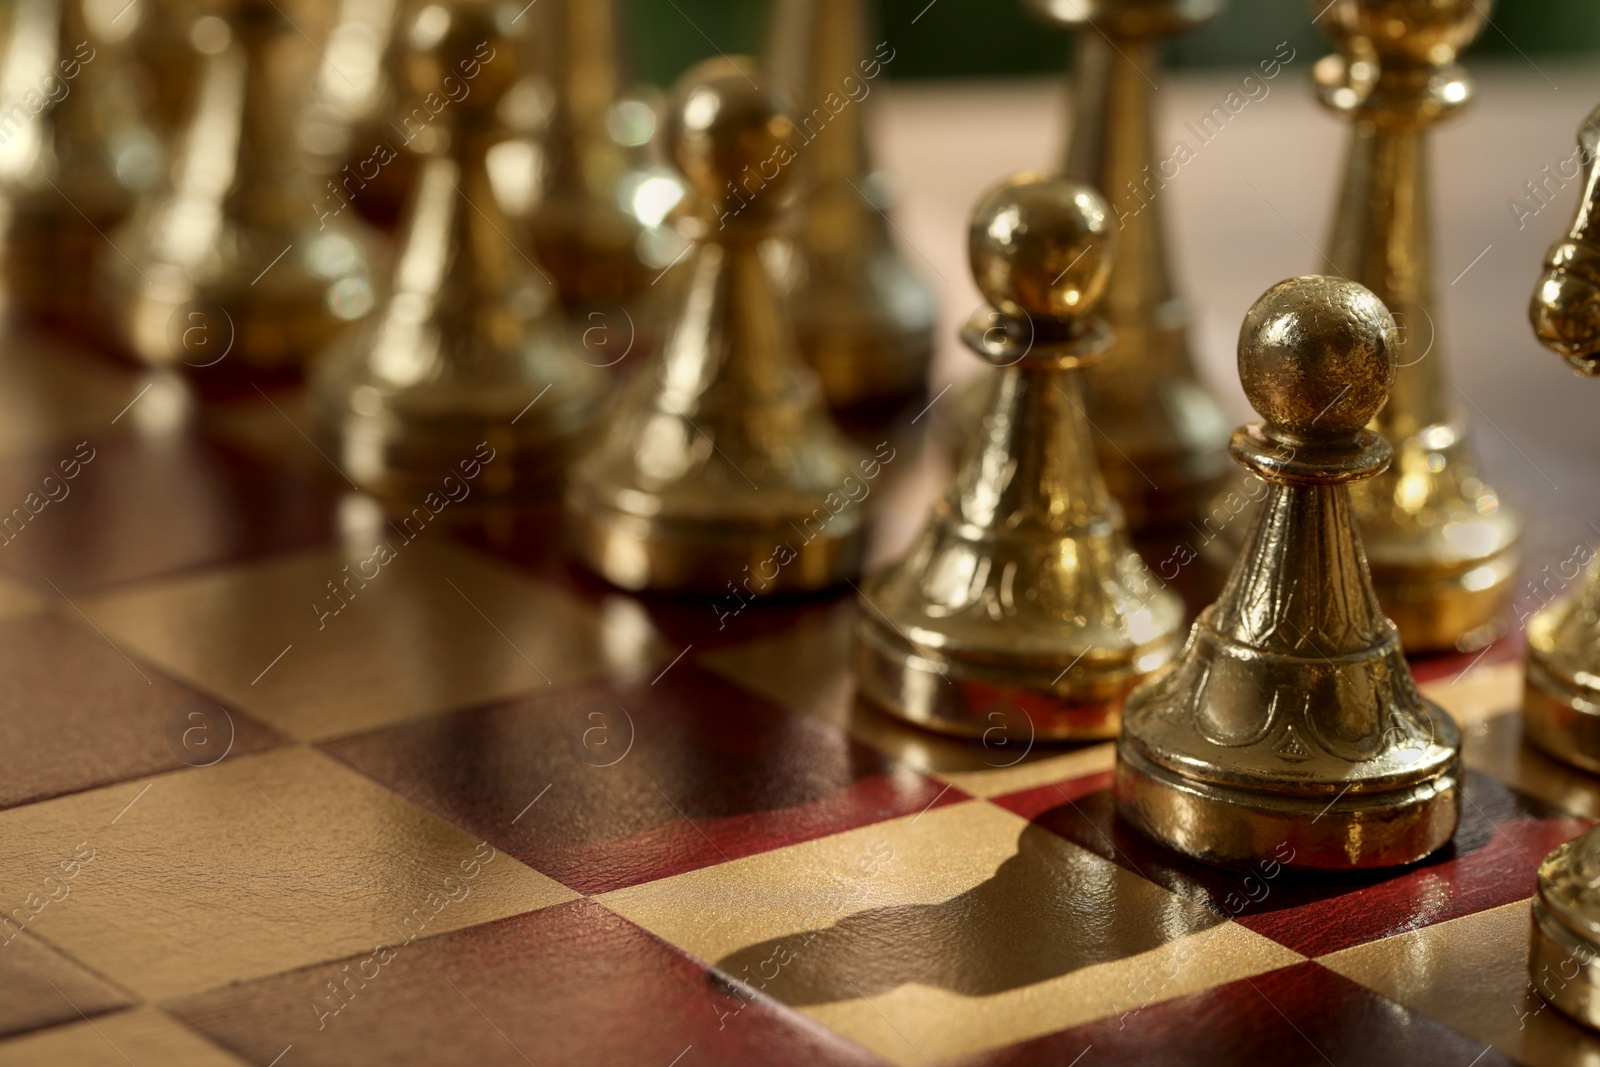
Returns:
(264,800)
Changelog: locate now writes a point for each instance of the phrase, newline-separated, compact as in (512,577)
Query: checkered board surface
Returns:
(491,812)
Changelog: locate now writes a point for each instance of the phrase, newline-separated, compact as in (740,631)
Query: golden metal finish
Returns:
(467,361)
(720,470)
(1023,606)
(358,122)
(1562,703)
(227,272)
(73,150)
(1167,431)
(1443,548)
(1290,728)
(1564,953)
(864,317)
(598,205)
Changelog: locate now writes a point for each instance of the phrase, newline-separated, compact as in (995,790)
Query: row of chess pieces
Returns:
(528,185)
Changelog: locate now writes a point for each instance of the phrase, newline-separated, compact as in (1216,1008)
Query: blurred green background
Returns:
(986,38)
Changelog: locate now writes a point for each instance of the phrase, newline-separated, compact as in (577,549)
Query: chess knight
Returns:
(1562,703)
(1291,717)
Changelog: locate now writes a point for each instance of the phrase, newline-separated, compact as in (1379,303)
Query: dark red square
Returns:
(606,785)
(78,715)
(1491,861)
(141,507)
(1299,1015)
(573,984)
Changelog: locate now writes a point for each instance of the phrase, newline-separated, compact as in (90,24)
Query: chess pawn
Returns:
(721,471)
(1023,593)
(1564,953)
(1561,706)
(596,211)
(1168,434)
(468,353)
(864,317)
(74,149)
(1290,728)
(227,271)
(1442,546)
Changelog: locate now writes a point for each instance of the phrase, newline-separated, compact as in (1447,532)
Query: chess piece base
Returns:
(1564,942)
(1456,608)
(1230,827)
(403,461)
(856,374)
(967,697)
(1553,952)
(667,555)
(1561,714)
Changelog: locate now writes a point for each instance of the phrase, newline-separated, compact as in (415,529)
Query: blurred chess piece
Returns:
(1443,547)
(1561,707)
(721,470)
(74,150)
(167,64)
(597,207)
(864,317)
(1564,949)
(469,347)
(1290,728)
(227,271)
(357,122)
(1023,606)
(1168,436)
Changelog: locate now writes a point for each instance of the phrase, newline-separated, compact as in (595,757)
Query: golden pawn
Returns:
(469,348)
(720,470)
(1443,548)
(1023,593)
(1290,728)
(597,209)
(1168,436)
(227,272)
(74,149)
(864,317)
(1561,706)
(1564,953)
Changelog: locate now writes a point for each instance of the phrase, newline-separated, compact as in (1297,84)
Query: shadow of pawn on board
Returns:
(1046,912)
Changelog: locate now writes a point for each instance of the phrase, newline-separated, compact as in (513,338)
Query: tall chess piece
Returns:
(74,150)
(1023,592)
(226,271)
(597,210)
(469,347)
(1443,548)
(1167,453)
(1561,708)
(1290,728)
(721,471)
(864,317)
